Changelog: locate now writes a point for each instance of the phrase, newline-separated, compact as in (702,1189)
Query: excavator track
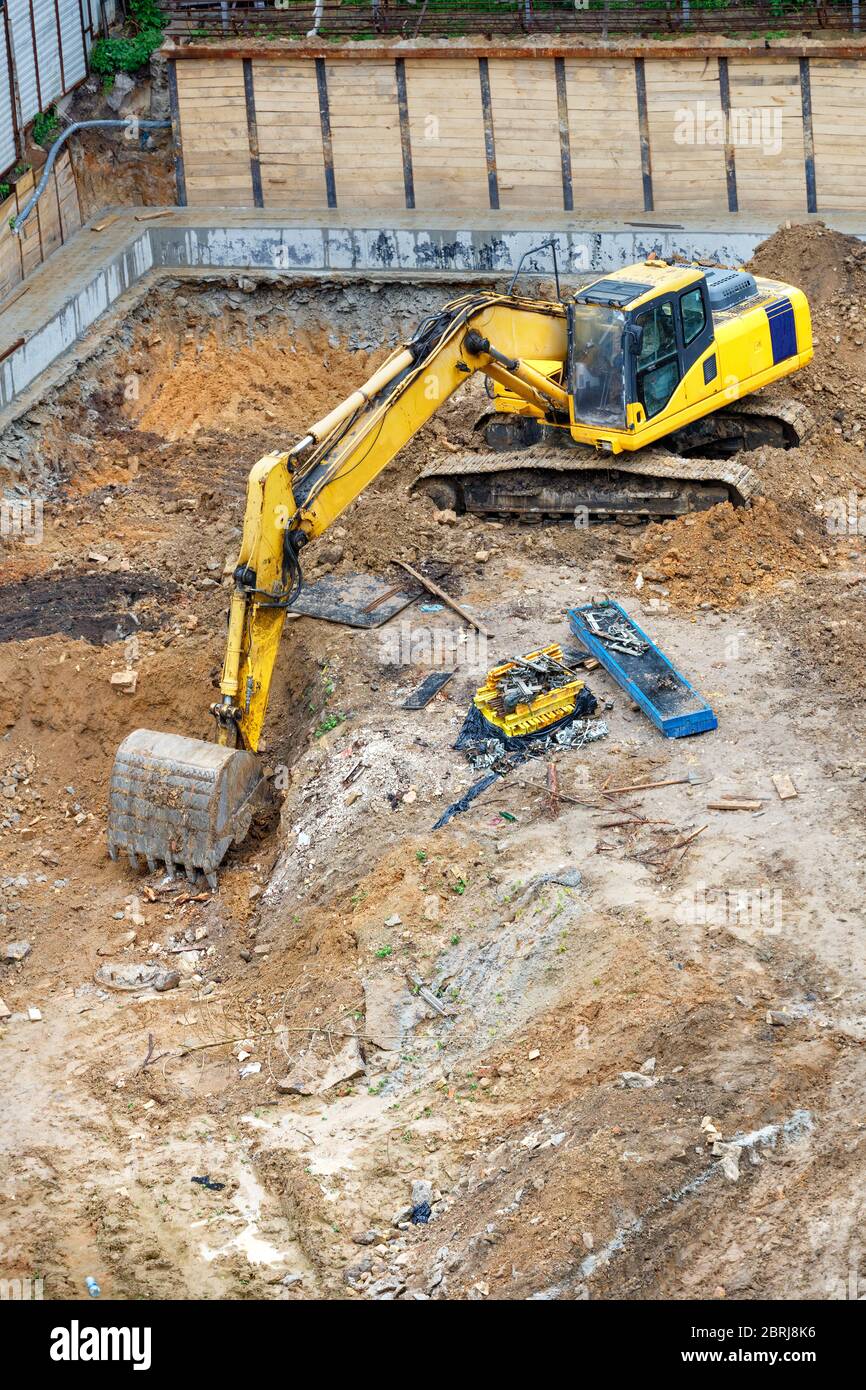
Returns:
(552,483)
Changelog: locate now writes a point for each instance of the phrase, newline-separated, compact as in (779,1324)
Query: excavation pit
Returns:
(306,960)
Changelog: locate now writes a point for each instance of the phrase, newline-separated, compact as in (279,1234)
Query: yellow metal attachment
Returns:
(544,710)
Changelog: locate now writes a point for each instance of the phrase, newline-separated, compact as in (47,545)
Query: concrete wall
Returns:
(90,276)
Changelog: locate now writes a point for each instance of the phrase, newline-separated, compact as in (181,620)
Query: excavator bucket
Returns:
(180,801)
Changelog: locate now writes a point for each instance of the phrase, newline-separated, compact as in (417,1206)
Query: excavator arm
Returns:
(181,801)
(294,497)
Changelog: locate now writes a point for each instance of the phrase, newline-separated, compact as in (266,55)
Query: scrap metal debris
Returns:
(498,756)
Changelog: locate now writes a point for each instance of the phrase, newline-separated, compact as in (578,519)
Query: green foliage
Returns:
(329,722)
(130,52)
(5,190)
(45,124)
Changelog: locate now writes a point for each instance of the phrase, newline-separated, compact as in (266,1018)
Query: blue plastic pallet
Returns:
(666,697)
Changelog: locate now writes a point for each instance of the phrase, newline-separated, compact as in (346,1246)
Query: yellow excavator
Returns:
(580,383)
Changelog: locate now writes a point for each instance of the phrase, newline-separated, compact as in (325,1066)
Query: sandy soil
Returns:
(724,978)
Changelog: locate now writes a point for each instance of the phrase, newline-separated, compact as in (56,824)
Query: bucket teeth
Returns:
(180,801)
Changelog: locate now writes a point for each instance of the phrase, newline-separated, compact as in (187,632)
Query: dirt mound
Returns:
(719,556)
(831,268)
(818,260)
(213,385)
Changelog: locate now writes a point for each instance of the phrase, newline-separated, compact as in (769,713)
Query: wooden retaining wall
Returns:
(53,220)
(697,132)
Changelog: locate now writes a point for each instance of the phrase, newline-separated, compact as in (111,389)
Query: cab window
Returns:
(694,315)
(657,368)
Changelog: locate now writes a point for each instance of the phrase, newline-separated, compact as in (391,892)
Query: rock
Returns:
(312,1075)
(432,907)
(534,1055)
(391,1011)
(134,976)
(124,86)
(402,1215)
(393,921)
(422,1191)
(482,556)
(649,1066)
(366,1237)
(387,1288)
(329,554)
(34,1015)
(126,681)
(16,950)
(5,1012)
(637,1079)
(446,517)
(352,1273)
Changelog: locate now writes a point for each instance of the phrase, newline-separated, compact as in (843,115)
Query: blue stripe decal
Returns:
(783,329)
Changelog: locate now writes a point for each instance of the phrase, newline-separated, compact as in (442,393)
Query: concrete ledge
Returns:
(91,274)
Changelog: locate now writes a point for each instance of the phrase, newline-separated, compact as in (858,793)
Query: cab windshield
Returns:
(597,365)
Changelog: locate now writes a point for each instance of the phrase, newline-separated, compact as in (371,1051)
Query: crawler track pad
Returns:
(180,801)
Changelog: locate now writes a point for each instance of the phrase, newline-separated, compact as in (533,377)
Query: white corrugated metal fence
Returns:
(43,55)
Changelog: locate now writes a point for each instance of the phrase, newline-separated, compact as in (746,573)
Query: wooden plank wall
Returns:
(54,219)
(604,134)
(840,149)
(688,170)
(292,170)
(365,134)
(446,133)
(216,153)
(674,135)
(771,162)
